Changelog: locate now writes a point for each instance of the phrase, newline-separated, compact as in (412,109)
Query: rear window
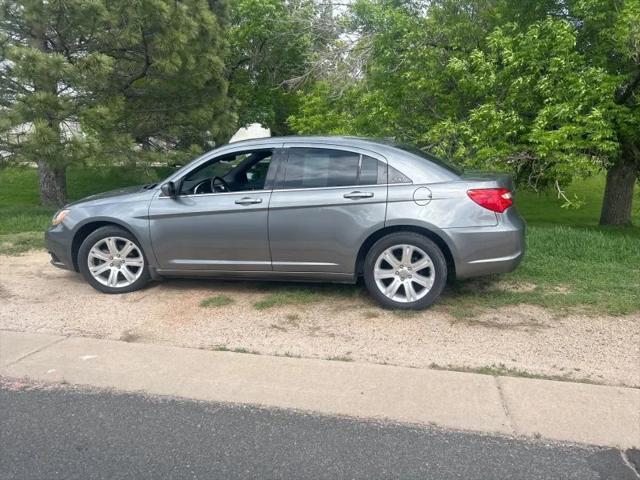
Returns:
(427,156)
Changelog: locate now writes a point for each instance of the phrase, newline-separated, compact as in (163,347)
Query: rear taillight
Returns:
(494,199)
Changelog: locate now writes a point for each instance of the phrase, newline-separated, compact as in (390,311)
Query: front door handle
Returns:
(248,201)
(355,195)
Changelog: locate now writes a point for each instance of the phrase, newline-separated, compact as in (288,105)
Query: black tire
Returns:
(83,260)
(423,243)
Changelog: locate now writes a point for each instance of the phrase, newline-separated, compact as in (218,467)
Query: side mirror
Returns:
(169,189)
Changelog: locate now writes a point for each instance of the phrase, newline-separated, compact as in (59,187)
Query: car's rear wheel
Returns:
(112,261)
(405,270)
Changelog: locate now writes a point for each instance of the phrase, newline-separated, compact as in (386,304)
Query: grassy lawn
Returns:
(571,263)
(22,220)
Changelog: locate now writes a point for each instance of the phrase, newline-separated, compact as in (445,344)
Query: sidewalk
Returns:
(582,413)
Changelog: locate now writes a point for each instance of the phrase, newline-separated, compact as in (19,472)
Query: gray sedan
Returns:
(327,209)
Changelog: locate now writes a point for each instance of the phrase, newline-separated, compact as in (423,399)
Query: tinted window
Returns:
(438,161)
(319,167)
(396,176)
(368,171)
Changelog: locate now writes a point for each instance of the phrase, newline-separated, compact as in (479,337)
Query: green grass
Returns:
(216,301)
(288,296)
(280,296)
(544,208)
(502,370)
(16,243)
(19,203)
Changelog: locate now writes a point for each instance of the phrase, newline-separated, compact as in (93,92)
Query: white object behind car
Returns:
(253,130)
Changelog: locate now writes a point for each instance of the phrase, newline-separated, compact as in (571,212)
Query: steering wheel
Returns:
(222,185)
(202,187)
(211,185)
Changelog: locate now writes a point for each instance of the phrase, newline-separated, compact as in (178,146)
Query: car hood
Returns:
(120,194)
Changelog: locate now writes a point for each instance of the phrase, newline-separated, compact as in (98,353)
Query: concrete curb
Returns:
(591,414)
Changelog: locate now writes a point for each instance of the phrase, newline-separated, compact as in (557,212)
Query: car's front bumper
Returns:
(58,241)
(489,250)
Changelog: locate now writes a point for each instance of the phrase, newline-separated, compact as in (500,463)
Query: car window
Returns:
(369,168)
(396,176)
(320,167)
(235,172)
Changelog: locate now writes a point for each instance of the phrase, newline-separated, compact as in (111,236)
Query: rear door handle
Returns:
(248,201)
(355,195)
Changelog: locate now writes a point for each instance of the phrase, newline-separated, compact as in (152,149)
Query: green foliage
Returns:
(272,45)
(542,111)
(535,88)
(111,81)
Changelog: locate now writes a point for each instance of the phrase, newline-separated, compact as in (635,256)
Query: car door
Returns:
(203,229)
(327,201)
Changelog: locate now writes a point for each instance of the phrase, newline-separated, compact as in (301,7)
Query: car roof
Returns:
(329,140)
(422,171)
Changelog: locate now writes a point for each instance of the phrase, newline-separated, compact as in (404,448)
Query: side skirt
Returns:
(310,277)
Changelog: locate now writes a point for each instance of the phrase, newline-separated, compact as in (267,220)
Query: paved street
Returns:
(70,433)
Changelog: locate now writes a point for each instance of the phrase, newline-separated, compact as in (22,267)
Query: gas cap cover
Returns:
(422,196)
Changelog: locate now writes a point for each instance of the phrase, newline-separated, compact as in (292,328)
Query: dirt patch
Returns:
(38,297)
(499,285)
(4,293)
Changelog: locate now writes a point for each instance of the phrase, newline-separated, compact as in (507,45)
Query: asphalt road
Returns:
(72,434)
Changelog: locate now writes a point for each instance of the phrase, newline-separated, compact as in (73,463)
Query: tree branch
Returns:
(145,68)
(623,93)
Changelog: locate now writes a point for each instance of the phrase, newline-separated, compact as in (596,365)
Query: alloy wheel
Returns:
(404,273)
(115,262)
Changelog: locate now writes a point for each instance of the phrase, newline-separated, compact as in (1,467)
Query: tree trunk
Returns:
(53,184)
(618,192)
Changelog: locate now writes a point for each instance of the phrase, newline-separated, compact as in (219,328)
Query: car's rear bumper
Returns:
(489,250)
(58,242)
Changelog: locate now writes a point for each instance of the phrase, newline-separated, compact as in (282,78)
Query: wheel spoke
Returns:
(126,250)
(391,259)
(134,262)
(409,291)
(383,274)
(421,264)
(113,277)
(407,253)
(393,287)
(111,245)
(426,282)
(99,254)
(100,269)
(128,274)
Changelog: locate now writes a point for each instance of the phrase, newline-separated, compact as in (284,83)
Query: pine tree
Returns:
(108,81)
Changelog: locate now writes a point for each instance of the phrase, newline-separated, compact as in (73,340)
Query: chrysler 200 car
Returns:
(299,208)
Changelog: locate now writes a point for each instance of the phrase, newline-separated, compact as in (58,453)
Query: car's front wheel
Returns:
(112,261)
(405,271)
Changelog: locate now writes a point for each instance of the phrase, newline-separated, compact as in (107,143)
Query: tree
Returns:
(546,89)
(274,45)
(109,80)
